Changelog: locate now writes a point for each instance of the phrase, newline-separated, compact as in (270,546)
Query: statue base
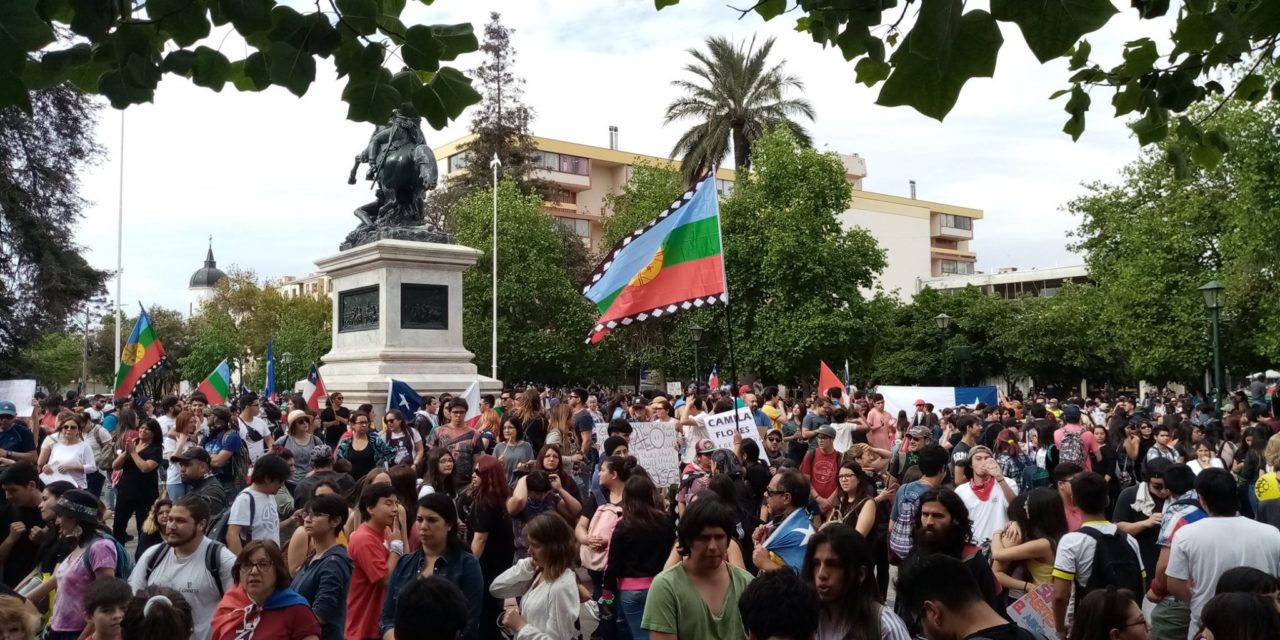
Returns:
(368,234)
(397,313)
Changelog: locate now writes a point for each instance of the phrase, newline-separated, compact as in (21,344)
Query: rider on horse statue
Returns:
(402,168)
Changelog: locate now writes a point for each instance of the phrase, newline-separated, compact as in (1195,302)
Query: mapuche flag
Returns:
(675,262)
(141,355)
(216,388)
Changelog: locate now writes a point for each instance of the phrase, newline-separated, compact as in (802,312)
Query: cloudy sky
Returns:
(265,173)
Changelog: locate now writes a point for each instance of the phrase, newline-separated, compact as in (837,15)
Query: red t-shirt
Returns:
(290,623)
(821,469)
(368,552)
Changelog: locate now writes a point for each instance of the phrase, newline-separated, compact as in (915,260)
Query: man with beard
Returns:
(939,592)
(943,526)
(189,563)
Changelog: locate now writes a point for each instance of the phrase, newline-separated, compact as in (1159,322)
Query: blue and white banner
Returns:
(904,398)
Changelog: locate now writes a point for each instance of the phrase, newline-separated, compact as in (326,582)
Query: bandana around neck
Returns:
(982,489)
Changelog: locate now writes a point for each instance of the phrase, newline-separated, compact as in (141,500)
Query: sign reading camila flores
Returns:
(675,262)
(141,355)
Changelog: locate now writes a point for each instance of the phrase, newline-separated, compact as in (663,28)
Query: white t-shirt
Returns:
(266,522)
(1204,549)
(844,435)
(190,577)
(59,454)
(990,516)
(1196,467)
(692,434)
(256,448)
(167,423)
(170,444)
(1074,560)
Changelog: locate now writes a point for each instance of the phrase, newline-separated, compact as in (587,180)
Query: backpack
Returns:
(900,538)
(217,530)
(106,450)
(1072,447)
(727,463)
(603,522)
(124,564)
(1115,563)
(212,563)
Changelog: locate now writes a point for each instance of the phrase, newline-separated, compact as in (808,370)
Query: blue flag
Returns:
(269,391)
(790,538)
(401,396)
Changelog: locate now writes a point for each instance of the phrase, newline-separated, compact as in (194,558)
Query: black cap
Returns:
(194,453)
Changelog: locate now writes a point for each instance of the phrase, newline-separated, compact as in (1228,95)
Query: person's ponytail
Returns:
(157,613)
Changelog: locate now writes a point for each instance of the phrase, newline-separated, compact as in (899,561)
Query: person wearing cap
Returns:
(906,453)
(1072,428)
(821,465)
(226,449)
(987,494)
(93,557)
(301,441)
(696,476)
(197,475)
(254,430)
(924,415)
(16,441)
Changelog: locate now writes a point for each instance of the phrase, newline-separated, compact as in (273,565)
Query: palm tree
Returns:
(739,98)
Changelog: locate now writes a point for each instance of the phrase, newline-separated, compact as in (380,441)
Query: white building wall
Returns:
(905,241)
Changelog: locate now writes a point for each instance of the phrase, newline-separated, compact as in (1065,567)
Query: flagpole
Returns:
(119,242)
(495,164)
(728,306)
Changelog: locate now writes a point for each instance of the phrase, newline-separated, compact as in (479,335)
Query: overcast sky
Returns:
(265,173)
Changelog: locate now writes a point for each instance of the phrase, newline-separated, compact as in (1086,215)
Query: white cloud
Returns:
(264,173)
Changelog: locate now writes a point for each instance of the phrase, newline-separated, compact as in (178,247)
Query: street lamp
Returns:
(286,360)
(943,321)
(696,332)
(1212,293)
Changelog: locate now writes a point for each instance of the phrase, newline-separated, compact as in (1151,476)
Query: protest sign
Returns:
(720,427)
(653,444)
(20,393)
(1034,611)
(673,389)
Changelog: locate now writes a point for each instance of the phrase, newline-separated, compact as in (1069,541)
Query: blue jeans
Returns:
(176,491)
(629,613)
(96,480)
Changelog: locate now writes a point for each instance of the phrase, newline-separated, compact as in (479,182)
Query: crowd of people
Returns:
(827,517)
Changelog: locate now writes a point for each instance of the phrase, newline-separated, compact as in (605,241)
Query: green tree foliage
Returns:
(542,317)
(912,350)
(736,97)
(121,50)
(172,330)
(925,63)
(796,278)
(43,277)
(215,340)
(55,359)
(1059,340)
(1153,239)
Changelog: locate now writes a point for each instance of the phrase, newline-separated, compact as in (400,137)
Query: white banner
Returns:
(673,390)
(720,428)
(20,393)
(654,446)
(904,398)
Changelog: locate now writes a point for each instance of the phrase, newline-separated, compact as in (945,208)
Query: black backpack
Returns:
(1115,563)
(217,530)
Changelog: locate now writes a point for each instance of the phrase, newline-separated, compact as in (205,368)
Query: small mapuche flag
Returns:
(675,262)
(217,386)
(141,355)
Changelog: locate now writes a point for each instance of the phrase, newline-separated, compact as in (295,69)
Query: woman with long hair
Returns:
(544,582)
(405,482)
(300,440)
(1250,463)
(1240,616)
(492,538)
(153,528)
(838,564)
(1011,458)
(1031,540)
(94,555)
(551,461)
(334,420)
(512,449)
(532,418)
(441,552)
(1110,614)
(405,441)
(263,604)
(636,551)
(854,499)
(300,544)
(363,447)
(157,613)
(874,463)
(139,482)
(439,473)
(182,435)
(66,455)
(561,432)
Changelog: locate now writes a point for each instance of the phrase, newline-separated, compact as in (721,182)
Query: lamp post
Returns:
(1212,293)
(943,321)
(696,332)
(495,164)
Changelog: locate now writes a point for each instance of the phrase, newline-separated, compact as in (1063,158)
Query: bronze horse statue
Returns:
(402,168)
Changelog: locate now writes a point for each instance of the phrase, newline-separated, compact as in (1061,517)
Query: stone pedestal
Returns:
(397,313)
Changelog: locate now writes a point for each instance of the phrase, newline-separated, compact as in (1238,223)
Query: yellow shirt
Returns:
(775,416)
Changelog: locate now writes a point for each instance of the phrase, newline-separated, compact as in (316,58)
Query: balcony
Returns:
(952,227)
(564,180)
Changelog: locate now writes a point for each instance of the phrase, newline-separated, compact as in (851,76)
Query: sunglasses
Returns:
(774,439)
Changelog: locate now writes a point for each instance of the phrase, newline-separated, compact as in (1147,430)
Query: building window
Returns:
(458,161)
(957,222)
(574,165)
(563,196)
(957,267)
(576,226)
(547,160)
(724,187)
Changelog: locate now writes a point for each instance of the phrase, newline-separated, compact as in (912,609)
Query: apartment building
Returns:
(1012,283)
(922,239)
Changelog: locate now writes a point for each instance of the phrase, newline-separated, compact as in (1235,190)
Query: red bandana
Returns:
(983,489)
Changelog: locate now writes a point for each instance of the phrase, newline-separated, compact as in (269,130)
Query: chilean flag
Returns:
(313,389)
(713,381)
(472,396)
(827,379)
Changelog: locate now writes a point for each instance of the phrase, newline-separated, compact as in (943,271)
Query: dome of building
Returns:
(208,275)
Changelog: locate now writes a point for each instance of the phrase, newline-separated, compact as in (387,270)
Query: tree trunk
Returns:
(741,149)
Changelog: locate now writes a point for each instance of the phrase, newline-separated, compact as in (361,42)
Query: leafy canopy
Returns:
(121,50)
(926,63)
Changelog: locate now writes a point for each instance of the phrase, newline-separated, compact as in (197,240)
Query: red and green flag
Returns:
(217,386)
(141,355)
(673,263)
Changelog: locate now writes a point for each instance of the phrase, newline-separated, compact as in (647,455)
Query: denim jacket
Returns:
(457,566)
